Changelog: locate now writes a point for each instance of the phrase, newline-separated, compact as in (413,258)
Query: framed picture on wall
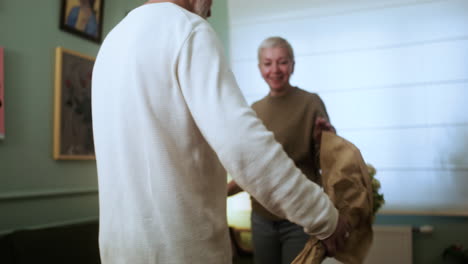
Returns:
(83,18)
(73,132)
(2,101)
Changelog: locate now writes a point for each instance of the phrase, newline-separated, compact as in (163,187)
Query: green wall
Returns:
(35,189)
(219,20)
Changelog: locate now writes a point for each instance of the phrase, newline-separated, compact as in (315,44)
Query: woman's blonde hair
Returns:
(275,42)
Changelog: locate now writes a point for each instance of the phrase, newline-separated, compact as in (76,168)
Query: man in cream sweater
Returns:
(169,120)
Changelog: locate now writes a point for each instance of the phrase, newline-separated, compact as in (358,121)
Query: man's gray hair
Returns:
(276,42)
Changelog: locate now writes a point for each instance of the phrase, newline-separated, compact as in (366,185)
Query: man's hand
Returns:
(321,124)
(337,240)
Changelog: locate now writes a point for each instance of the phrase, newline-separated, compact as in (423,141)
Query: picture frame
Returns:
(2,100)
(82,18)
(73,134)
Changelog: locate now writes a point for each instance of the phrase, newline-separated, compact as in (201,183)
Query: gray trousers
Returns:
(276,242)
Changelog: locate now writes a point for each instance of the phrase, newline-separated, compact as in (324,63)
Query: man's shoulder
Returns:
(173,16)
(195,21)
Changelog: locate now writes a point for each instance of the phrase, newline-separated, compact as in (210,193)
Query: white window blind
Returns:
(394,77)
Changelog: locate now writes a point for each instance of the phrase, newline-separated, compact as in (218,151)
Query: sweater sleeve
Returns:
(244,146)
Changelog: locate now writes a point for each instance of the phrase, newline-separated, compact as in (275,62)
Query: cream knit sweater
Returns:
(169,120)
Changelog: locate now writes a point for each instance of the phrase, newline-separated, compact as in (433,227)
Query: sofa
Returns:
(68,244)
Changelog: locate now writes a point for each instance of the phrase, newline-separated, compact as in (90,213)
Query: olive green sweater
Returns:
(291,118)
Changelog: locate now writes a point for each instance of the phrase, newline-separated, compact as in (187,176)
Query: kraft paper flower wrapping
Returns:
(346,180)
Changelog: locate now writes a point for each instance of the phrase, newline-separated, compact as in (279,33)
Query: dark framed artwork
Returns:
(2,101)
(73,132)
(83,18)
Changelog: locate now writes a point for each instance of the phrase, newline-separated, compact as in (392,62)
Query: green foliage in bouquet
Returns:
(378,197)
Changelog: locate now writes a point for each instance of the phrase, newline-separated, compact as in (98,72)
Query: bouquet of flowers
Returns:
(352,187)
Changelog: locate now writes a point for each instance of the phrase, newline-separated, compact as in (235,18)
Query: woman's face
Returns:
(276,68)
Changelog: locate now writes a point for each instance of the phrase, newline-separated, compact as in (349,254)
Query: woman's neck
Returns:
(281,92)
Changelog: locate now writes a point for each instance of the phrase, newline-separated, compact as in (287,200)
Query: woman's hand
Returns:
(321,124)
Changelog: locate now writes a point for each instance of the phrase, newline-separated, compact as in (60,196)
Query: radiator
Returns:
(392,244)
